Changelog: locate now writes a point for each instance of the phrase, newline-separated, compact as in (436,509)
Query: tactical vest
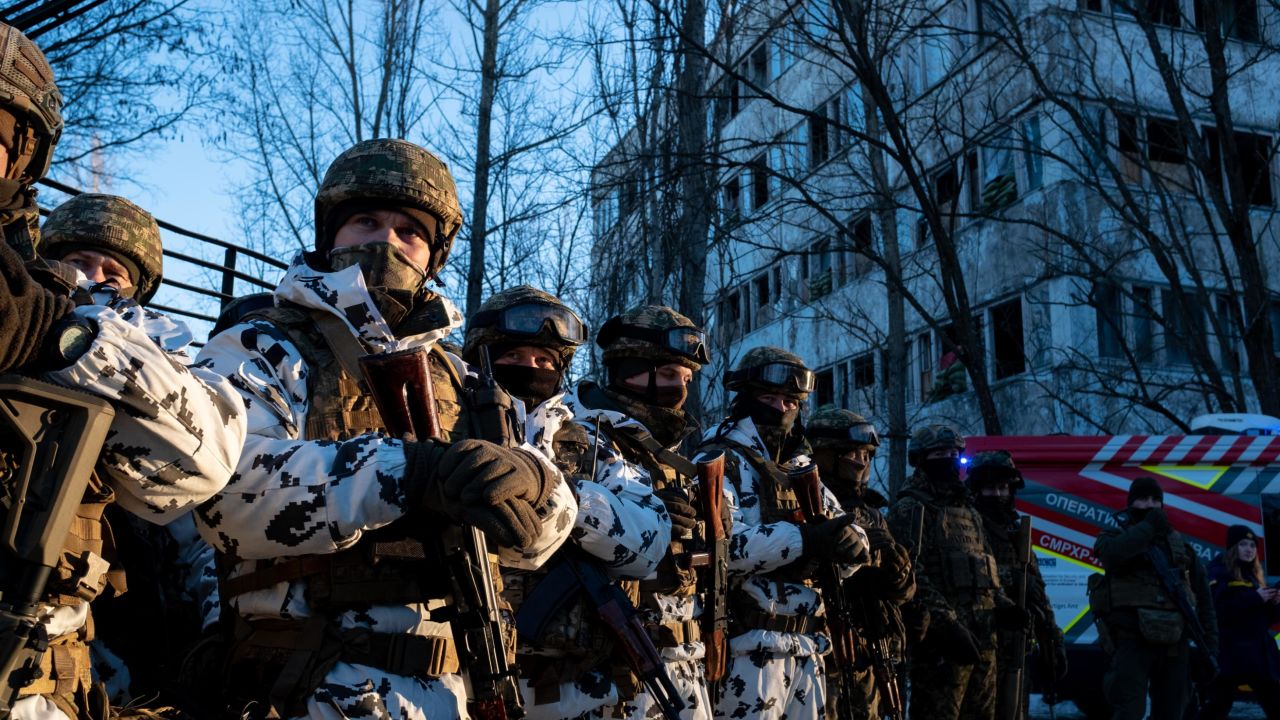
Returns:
(955,555)
(388,566)
(86,568)
(1136,585)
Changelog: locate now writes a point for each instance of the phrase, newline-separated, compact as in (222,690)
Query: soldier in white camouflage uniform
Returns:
(634,422)
(569,671)
(338,614)
(173,587)
(776,668)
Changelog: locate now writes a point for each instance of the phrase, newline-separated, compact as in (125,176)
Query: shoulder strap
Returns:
(763,466)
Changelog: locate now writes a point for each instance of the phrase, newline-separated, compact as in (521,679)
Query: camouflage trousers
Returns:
(943,690)
(691,686)
(859,700)
(772,686)
(1140,668)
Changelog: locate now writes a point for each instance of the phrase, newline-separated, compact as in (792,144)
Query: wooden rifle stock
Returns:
(401,386)
(715,612)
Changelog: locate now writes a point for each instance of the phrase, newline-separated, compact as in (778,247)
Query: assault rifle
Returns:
(400,383)
(808,488)
(570,574)
(715,610)
(50,439)
(1009,693)
(884,668)
(1174,586)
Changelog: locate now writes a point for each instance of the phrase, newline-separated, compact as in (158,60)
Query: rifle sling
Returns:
(646,440)
(344,344)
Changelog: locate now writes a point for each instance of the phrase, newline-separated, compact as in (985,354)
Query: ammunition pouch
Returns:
(292,657)
(545,673)
(1099,589)
(65,669)
(674,634)
(1161,627)
(676,574)
(965,571)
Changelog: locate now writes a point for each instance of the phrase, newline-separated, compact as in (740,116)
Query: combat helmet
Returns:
(771,369)
(27,90)
(939,436)
(653,332)
(524,315)
(400,175)
(840,430)
(108,224)
(993,466)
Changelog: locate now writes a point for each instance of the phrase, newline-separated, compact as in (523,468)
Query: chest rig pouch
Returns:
(677,572)
(956,552)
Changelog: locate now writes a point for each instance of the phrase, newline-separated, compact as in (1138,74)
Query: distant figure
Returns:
(1246,610)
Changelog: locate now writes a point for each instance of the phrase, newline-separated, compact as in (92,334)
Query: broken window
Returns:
(1107,302)
(1236,18)
(1254,156)
(759,182)
(824,390)
(731,197)
(1006,335)
(863,371)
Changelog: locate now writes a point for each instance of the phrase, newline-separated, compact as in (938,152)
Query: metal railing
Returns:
(230,256)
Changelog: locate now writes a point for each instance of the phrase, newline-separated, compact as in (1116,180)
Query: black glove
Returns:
(835,541)
(1012,617)
(684,517)
(953,642)
(879,538)
(1158,521)
(478,483)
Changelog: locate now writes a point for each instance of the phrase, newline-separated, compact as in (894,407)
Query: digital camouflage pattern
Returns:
(834,418)
(657,317)
(933,437)
(28,91)
(396,172)
(174,441)
(477,336)
(769,354)
(112,225)
(770,673)
(622,525)
(293,496)
(618,469)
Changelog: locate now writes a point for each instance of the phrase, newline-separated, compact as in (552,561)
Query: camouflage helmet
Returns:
(933,437)
(112,225)
(524,315)
(992,466)
(653,332)
(840,430)
(771,369)
(399,174)
(27,90)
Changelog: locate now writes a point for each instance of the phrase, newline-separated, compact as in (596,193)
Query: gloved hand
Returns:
(684,517)
(954,642)
(1012,617)
(835,540)
(879,538)
(1158,520)
(478,483)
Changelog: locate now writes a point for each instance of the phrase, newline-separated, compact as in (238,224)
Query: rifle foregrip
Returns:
(400,383)
(808,489)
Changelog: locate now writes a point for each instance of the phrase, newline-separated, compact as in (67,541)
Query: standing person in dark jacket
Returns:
(1140,626)
(1246,609)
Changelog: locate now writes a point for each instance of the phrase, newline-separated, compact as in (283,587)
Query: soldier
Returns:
(994,481)
(1139,624)
(339,604)
(958,600)
(775,667)
(843,445)
(177,431)
(634,423)
(531,337)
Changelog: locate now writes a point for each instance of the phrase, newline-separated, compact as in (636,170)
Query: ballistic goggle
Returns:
(859,433)
(684,341)
(783,375)
(531,319)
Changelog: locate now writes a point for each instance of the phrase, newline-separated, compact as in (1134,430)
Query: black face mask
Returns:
(766,416)
(993,505)
(1136,515)
(533,385)
(942,471)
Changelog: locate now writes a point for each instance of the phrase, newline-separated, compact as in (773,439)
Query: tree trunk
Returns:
(695,216)
(480,199)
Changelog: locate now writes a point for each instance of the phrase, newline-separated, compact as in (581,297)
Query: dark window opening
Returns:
(820,280)
(1006,334)
(1160,12)
(1236,18)
(1144,323)
(732,194)
(759,183)
(1228,338)
(1254,157)
(1107,302)
(1180,320)
(824,391)
(864,371)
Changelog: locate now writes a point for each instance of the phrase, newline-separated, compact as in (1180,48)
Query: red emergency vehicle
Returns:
(1074,485)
